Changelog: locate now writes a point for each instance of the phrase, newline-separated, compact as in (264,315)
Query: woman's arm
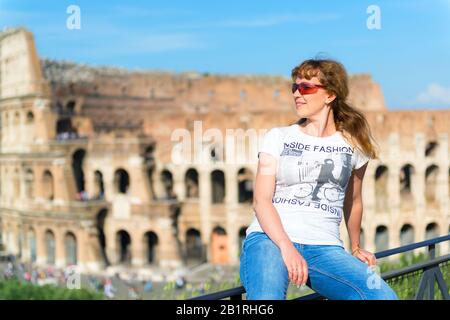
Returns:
(353,209)
(267,216)
(270,221)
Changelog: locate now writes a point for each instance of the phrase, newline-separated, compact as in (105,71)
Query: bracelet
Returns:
(357,249)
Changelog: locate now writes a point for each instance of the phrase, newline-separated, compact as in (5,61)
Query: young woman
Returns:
(309,176)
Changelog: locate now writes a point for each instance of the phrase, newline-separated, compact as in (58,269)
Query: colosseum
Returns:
(88,176)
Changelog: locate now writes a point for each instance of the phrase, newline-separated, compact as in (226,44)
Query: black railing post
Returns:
(431,255)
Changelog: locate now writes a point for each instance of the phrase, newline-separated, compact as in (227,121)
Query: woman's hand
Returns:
(295,263)
(364,256)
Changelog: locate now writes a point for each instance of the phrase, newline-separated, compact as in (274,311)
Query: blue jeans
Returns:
(332,272)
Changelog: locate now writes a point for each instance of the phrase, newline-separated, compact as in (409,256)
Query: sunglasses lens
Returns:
(306,89)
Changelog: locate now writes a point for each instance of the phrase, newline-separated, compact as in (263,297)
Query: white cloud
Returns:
(435,93)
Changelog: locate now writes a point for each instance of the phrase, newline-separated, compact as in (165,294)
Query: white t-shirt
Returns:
(312,176)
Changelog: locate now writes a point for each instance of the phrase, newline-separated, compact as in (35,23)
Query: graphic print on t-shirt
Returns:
(313,176)
(319,177)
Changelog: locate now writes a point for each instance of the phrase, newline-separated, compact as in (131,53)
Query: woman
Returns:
(309,175)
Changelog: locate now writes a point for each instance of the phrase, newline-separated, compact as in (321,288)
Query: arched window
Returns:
(77,167)
(121,181)
(245,185)
(406,234)
(431,231)
(191,183)
(381,238)
(151,243)
(99,185)
(218,186)
(431,176)
(167,183)
(123,240)
(70,244)
(406,182)
(194,246)
(32,244)
(48,185)
(381,189)
(50,247)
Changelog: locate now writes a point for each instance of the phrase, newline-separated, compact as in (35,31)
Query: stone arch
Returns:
(431,177)
(70,246)
(30,118)
(219,245)
(99,185)
(245,180)
(381,238)
(194,245)
(406,234)
(78,172)
(167,183)
(48,185)
(100,225)
(431,230)
(217,186)
(123,241)
(151,241)
(50,244)
(381,189)
(191,183)
(406,182)
(121,181)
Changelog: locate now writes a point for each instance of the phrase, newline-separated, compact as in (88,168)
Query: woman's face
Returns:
(307,105)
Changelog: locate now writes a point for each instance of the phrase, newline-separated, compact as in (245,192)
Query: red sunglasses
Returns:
(306,88)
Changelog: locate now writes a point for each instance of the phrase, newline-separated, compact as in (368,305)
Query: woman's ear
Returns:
(330,98)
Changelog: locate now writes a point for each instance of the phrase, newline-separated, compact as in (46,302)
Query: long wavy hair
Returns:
(349,121)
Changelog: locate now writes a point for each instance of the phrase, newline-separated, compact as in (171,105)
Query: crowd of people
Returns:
(113,287)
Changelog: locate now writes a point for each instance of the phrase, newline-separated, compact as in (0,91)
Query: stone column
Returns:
(169,255)
(41,254)
(231,212)
(205,207)
(137,251)
(418,184)
(179,186)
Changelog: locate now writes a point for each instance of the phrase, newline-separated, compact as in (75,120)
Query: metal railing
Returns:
(430,276)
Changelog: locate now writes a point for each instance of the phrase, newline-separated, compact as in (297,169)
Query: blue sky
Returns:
(409,56)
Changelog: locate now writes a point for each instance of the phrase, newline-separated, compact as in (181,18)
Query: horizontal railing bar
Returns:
(415,267)
(221,294)
(411,246)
